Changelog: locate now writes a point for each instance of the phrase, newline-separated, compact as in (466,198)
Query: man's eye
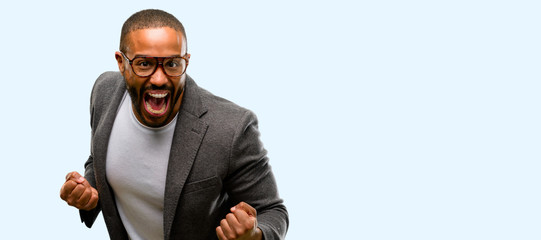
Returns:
(172,64)
(144,63)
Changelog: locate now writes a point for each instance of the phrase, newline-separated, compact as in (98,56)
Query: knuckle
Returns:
(249,225)
(94,198)
(67,186)
(84,199)
(220,233)
(75,190)
(79,205)
(240,231)
(80,187)
(231,235)
(79,199)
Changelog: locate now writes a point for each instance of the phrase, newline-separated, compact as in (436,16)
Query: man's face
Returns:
(155,99)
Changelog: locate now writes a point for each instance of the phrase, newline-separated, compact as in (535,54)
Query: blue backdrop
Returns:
(383,119)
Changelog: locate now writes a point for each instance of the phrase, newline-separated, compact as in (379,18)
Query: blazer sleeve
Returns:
(251,180)
(88,217)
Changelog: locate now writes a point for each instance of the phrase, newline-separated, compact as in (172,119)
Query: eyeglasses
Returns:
(145,66)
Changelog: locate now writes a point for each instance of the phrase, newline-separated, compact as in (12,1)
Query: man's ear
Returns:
(188,57)
(120,61)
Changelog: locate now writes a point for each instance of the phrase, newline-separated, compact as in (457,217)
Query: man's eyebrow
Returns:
(140,55)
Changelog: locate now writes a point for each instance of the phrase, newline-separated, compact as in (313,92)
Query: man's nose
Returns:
(158,78)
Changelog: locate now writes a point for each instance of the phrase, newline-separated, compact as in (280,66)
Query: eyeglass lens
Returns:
(145,66)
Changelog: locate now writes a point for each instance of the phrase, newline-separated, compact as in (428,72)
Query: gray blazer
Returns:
(216,161)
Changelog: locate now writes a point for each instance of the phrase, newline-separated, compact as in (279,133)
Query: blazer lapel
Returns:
(189,133)
(101,143)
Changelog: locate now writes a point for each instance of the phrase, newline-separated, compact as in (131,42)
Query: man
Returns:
(169,160)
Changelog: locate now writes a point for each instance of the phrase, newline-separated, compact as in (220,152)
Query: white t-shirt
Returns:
(136,169)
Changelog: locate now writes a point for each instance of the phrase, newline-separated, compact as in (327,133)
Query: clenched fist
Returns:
(240,224)
(77,192)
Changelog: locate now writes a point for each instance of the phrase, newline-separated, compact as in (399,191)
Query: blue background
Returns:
(383,119)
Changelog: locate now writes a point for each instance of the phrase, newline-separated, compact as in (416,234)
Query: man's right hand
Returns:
(77,192)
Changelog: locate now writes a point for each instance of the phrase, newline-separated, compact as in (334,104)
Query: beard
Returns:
(137,98)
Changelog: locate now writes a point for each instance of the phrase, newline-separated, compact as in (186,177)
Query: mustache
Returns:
(154,87)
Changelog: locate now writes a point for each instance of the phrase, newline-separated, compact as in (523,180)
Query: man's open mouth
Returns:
(156,102)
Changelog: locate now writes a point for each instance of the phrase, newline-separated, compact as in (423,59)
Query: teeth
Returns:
(158,95)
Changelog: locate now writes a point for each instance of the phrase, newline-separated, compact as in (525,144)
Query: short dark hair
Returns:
(149,18)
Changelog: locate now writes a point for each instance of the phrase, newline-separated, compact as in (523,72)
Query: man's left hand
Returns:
(240,224)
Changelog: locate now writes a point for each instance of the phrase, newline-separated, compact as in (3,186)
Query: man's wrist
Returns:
(258,234)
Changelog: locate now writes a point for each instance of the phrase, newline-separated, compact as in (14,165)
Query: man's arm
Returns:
(78,192)
(89,216)
(251,180)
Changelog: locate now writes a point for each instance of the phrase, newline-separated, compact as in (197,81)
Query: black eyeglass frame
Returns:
(130,61)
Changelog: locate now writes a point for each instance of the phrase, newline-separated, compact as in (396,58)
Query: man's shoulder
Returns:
(106,88)
(220,105)
(107,83)
(220,110)
(108,79)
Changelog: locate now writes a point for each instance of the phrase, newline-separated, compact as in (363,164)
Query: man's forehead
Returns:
(162,37)
(154,31)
